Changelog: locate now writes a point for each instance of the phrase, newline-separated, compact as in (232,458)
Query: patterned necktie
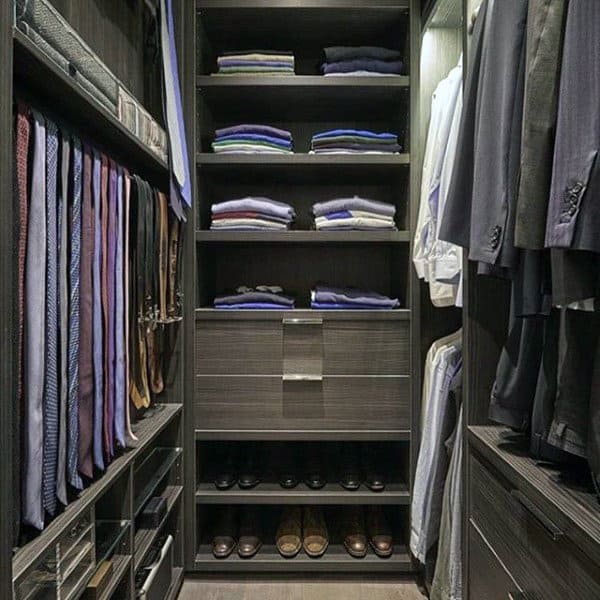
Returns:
(73,366)
(63,311)
(23,131)
(35,313)
(98,337)
(51,406)
(86,358)
(112,248)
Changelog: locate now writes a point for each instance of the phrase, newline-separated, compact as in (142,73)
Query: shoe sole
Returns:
(350,488)
(381,554)
(354,554)
(222,556)
(316,554)
(289,554)
(244,556)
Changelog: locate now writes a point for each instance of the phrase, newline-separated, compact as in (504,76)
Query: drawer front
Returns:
(522,537)
(272,403)
(298,345)
(487,576)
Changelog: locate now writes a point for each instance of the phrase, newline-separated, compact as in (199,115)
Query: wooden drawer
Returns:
(542,560)
(488,577)
(302,345)
(278,403)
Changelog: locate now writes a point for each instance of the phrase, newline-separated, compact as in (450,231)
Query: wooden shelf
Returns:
(399,314)
(146,430)
(121,564)
(302,435)
(303,237)
(336,559)
(145,537)
(342,4)
(312,83)
(273,493)
(271,161)
(58,92)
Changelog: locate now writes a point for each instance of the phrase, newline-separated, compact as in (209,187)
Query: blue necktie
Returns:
(51,400)
(35,296)
(73,364)
(97,316)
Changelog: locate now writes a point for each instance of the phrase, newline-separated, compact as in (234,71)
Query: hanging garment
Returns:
(432,464)
(21,192)
(86,341)
(63,307)
(51,384)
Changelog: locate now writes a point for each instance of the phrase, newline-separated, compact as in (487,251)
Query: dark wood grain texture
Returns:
(8,272)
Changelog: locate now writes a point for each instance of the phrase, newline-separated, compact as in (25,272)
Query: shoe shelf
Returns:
(273,493)
(335,559)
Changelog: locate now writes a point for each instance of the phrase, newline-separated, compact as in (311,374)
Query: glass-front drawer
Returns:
(40,582)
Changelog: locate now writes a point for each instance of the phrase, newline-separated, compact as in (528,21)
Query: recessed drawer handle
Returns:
(553,530)
(301,321)
(299,378)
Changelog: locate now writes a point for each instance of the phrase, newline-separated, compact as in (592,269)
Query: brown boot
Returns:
(379,532)
(353,531)
(289,532)
(250,532)
(316,538)
(224,540)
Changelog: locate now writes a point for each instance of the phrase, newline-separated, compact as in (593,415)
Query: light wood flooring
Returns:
(306,588)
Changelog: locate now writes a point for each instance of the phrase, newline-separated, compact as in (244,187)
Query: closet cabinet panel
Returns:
(540,557)
(225,347)
(487,576)
(282,403)
(366,347)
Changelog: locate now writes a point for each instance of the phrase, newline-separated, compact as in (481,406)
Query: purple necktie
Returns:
(97,317)
(35,296)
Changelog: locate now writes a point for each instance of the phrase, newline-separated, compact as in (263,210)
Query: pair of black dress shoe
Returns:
(244,472)
(361,465)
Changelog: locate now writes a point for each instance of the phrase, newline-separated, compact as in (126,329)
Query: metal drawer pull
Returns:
(301,321)
(302,377)
(552,529)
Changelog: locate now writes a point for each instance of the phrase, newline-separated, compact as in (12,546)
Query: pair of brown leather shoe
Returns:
(302,528)
(357,536)
(247,537)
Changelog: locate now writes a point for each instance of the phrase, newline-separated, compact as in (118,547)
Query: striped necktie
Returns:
(51,399)
(73,360)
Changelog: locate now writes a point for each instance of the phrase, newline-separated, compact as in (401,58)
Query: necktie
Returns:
(97,318)
(180,178)
(112,247)
(63,311)
(120,393)
(104,292)
(35,294)
(73,360)
(51,393)
(86,351)
(23,132)
(128,296)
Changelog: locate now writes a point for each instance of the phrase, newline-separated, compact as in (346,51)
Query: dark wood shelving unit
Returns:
(310,435)
(321,4)
(55,90)
(335,560)
(303,237)
(302,160)
(273,493)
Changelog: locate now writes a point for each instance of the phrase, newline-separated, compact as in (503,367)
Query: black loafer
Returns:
(226,476)
(349,468)
(314,473)
(249,477)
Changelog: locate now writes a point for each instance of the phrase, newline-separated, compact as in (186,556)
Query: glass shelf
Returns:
(109,535)
(153,469)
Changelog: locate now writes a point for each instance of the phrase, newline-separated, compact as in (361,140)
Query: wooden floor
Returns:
(317,588)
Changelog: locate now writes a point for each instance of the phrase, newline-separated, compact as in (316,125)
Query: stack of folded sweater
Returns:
(248,214)
(325,297)
(354,141)
(256,62)
(266,297)
(354,213)
(362,60)
(250,139)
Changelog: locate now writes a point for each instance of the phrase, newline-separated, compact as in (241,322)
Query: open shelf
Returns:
(109,534)
(145,537)
(273,493)
(146,430)
(307,435)
(270,161)
(304,237)
(277,315)
(336,559)
(121,565)
(360,4)
(309,84)
(65,98)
